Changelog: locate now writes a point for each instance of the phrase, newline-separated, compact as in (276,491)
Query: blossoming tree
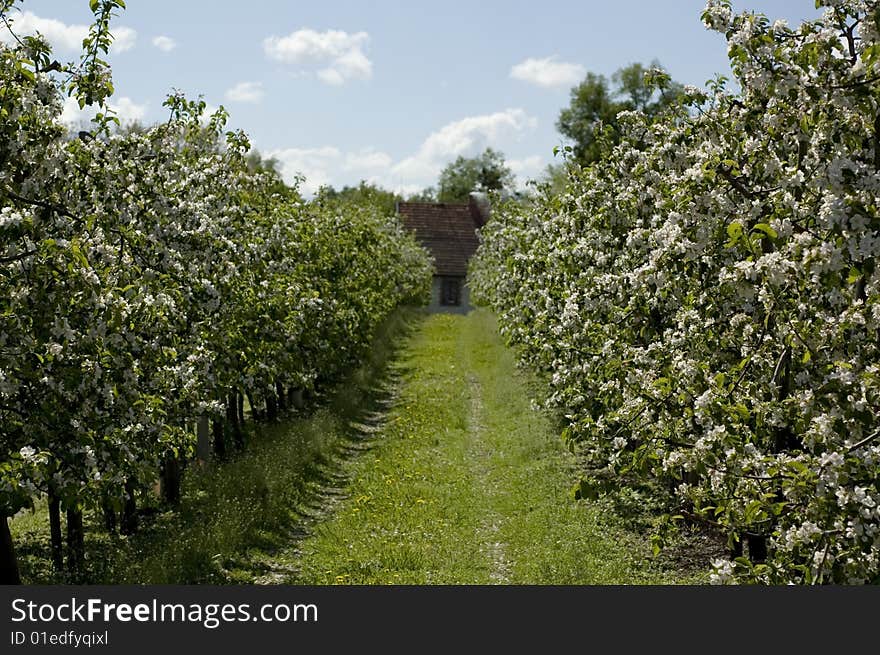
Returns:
(149,280)
(704,299)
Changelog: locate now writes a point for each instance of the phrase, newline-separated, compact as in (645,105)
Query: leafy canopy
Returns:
(595,105)
(486,172)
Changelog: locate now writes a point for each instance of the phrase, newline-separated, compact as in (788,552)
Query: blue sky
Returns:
(391,91)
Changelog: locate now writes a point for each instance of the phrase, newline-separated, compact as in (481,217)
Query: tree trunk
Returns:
(171,480)
(757,548)
(297,399)
(129,510)
(203,439)
(76,546)
(55,531)
(736,550)
(240,399)
(255,412)
(282,400)
(784,438)
(219,438)
(231,409)
(110,518)
(8,562)
(232,418)
(271,407)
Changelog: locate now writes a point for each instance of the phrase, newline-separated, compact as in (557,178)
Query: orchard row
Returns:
(705,300)
(153,279)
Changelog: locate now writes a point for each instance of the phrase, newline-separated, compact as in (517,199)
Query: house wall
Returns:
(436,307)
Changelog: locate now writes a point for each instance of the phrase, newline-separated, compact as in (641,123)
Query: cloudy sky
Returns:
(389,91)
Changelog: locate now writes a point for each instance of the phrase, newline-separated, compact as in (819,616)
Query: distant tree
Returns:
(256,162)
(556,176)
(428,194)
(486,172)
(362,194)
(591,108)
(594,105)
(132,127)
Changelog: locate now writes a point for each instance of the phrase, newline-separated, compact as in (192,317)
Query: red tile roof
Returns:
(447,230)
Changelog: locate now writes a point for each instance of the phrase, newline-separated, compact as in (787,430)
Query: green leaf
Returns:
(93,5)
(766,229)
(735,232)
(78,255)
(753,511)
(662,384)
(741,411)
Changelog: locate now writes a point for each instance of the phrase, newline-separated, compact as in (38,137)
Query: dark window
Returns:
(450,291)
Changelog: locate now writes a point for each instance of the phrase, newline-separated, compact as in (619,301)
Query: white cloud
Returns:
(124,39)
(525,169)
(367,160)
(336,56)
(330,165)
(331,76)
(467,137)
(245,92)
(527,166)
(66,37)
(165,43)
(73,116)
(126,110)
(548,72)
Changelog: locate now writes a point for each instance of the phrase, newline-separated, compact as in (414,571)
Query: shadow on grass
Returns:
(234,515)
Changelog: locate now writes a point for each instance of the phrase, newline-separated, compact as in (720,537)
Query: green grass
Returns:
(468,485)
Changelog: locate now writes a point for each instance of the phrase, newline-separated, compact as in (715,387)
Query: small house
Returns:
(449,232)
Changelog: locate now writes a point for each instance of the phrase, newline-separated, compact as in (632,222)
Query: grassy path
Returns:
(465,484)
(433,471)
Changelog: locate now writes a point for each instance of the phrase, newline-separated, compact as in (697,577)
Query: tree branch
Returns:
(864,442)
(61,211)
